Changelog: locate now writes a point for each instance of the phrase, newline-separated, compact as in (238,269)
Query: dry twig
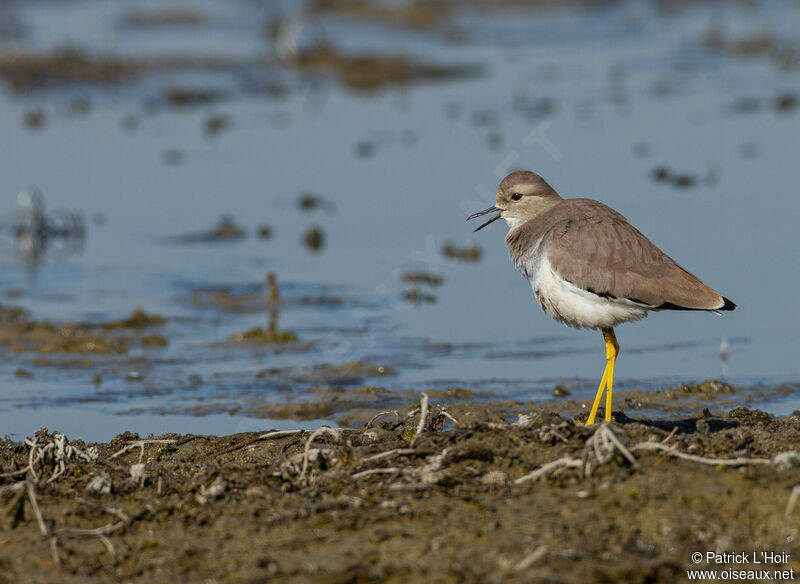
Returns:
(792,502)
(423,416)
(336,433)
(670,435)
(446,414)
(41,522)
(279,434)
(604,443)
(530,559)
(549,467)
(411,414)
(374,471)
(139,444)
(369,424)
(98,532)
(58,451)
(267,436)
(387,454)
(673,451)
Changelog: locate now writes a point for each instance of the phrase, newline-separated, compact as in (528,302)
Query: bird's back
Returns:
(594,248)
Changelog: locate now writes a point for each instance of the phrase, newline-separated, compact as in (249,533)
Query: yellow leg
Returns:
(609,389)
(596,404)
(612,350)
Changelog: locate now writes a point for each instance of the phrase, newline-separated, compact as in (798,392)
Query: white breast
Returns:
(572,305)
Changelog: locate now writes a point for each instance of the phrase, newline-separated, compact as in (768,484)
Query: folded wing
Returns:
(604,254)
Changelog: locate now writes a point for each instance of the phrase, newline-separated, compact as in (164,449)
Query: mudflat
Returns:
(488,497)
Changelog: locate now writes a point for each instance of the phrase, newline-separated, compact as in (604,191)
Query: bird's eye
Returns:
(516,197)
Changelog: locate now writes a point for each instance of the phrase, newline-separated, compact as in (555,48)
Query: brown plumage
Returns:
(589,267)
(593,247)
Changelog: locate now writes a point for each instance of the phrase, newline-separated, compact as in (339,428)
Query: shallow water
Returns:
(593,101)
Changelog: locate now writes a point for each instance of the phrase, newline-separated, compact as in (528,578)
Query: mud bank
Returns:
(531,498)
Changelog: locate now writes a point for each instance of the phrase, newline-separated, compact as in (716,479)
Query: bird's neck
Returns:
(514,222)
(544,206)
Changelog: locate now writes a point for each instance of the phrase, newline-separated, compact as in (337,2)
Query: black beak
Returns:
(484,212)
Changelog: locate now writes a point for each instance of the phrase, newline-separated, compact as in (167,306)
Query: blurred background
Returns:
(231,215)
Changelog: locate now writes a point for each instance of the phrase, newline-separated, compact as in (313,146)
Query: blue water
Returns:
(593,101)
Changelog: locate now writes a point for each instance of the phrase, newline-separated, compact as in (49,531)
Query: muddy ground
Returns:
(484,492)
(534,498)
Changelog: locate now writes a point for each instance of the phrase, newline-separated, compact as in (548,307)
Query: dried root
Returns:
(51,451)
(53,454)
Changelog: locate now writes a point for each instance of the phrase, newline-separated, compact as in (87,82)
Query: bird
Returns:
(590,268)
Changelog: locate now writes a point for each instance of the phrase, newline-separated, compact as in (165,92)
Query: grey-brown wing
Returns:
(606,255)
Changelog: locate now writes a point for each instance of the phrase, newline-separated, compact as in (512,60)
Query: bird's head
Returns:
(521,196)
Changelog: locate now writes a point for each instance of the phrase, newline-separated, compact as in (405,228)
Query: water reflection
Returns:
(30,233)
